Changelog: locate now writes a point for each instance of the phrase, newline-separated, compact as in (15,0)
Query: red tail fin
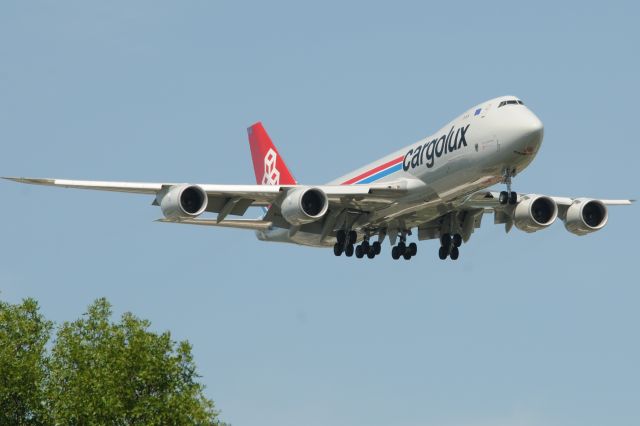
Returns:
(267,163)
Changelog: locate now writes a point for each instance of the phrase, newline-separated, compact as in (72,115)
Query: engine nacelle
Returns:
(534,213)
(304,205)
(183,202)
(585,216)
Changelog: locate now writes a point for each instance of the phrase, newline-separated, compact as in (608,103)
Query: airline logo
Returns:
(415,157)
(427,153)
(271,174)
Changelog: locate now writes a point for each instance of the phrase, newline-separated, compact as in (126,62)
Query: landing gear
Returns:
(395,253)
(348,250)
(454,253)
(377,248)
(404,250)
(443,253)
(513,198)
(449,246)
(361,250)
(345,242)
(508,196)
(352,237)
(504,197)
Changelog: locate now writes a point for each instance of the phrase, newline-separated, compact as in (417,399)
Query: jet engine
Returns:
(585,216)
(183,202)
(535,212)
(304,205)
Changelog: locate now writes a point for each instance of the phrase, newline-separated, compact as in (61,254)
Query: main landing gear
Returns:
(449,246)
(346,241)
(404,250)
(508,196)
(370,250)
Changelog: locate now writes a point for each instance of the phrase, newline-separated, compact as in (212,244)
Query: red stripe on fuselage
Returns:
(372,171)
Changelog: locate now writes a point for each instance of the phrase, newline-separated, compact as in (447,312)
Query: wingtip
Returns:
(35,181)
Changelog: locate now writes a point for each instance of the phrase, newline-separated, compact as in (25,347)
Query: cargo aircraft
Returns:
(435,188)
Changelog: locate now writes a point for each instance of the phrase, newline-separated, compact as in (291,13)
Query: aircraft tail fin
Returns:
(268,165)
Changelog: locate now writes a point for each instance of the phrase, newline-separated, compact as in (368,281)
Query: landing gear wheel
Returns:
(445,241)
(407,255)
(455,253)
(504,197)
(337,249)
(366,247)
(348,250)
(443,253)
(402,248)
(341,235)
(371,254)
(413,249)
(359,252)
(377,247)
(513,198)
(457,240)
(395,253)
(352,237)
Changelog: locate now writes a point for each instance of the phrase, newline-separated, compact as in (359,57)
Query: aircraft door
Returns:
(489,145)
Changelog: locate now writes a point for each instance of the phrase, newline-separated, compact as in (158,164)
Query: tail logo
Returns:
(271,174)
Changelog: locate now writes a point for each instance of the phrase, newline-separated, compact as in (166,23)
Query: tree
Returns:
(97,372)
(23,335)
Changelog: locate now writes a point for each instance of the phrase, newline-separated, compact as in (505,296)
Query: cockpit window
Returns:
(511,102)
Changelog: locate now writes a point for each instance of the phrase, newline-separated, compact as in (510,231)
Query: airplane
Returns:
(436,187)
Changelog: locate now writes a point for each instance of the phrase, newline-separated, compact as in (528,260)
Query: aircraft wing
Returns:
(236,199)
(468,214)
(489,199)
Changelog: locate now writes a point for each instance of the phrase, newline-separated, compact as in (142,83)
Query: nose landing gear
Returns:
(508,196)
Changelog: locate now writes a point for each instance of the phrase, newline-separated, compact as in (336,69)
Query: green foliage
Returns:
(97,372)
(23,336)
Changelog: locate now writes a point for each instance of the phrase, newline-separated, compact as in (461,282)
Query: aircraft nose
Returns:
(529,134)
(532,127)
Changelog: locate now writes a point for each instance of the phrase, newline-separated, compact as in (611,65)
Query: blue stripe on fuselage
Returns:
(382,174)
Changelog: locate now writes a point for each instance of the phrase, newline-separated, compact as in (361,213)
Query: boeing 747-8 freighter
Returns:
(435,188)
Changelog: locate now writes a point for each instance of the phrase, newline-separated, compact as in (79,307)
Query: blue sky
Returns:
(537,329)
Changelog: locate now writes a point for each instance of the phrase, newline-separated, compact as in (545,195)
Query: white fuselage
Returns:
(468,154)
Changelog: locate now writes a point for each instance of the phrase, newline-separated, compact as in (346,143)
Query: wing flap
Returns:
(236,199)
(251,224)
